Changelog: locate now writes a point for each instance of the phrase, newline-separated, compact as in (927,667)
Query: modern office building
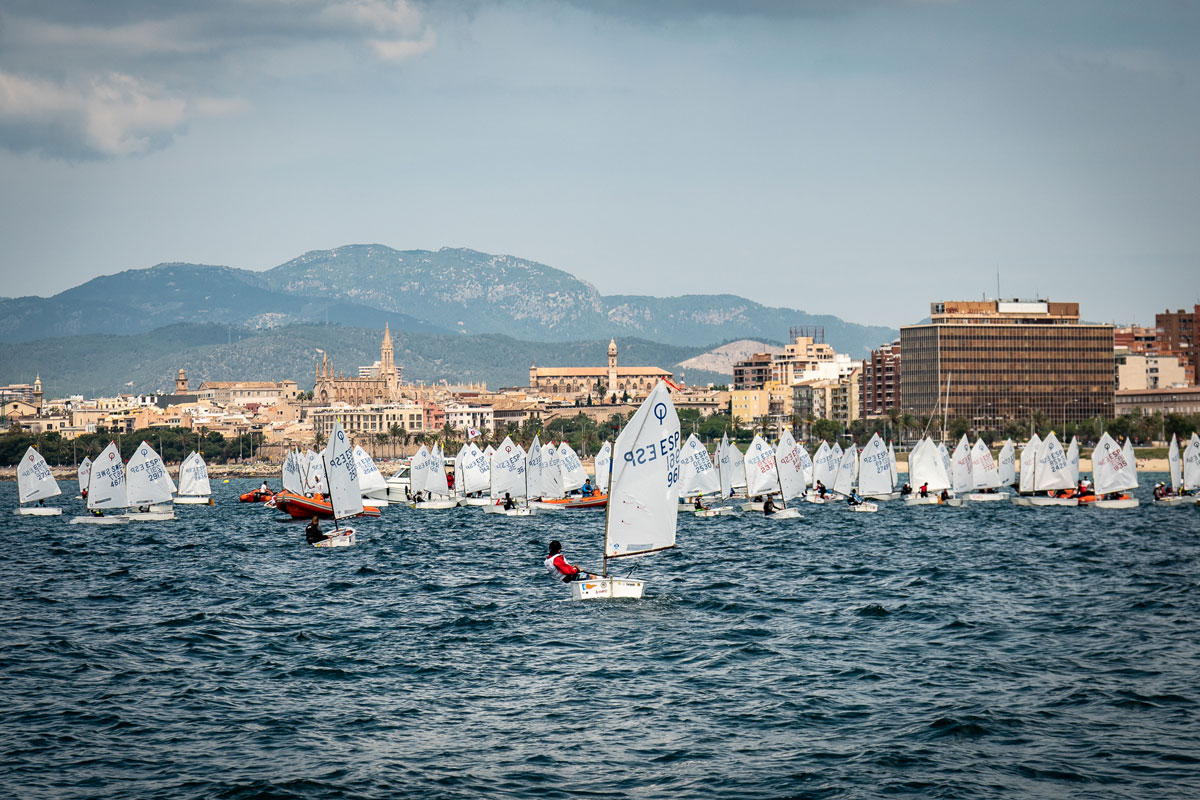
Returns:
(994,361)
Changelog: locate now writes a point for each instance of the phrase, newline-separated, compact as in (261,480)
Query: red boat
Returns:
(595,501)
(301,507)
(256,497)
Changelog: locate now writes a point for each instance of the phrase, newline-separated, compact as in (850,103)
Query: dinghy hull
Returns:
(193,500)
(607,588)
(1125,502)
(987,497)
(38,511)
(116,519)
(784,513)
(717,511)
(345,537)
(435,505)
(1171,502)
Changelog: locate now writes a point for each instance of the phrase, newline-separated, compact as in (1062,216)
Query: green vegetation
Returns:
(173,444)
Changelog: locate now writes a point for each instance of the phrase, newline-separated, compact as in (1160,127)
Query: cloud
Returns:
(123,77)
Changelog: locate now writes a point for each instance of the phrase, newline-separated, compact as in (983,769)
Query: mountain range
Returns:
(434,296)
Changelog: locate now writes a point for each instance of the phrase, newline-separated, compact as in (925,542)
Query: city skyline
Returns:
(851,159)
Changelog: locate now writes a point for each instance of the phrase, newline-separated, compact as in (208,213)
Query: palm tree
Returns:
(394,433)
(381,439)
(319,439)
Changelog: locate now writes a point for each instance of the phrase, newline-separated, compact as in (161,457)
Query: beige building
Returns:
(604,381)
(244,393)
(370,419)
(382,388)
(464,416)
(1184,400)
(807,359)
(1147,371)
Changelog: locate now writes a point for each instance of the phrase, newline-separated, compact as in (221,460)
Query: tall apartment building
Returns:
(753,373)
(881,380)
(1176,336)
(993,361)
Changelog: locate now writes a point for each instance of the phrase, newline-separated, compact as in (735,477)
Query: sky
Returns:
(861,158)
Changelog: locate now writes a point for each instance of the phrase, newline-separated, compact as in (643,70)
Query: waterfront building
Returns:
(464,416)
(370,419)
(380,387)
(1175,335)
(881,380)
(602,381)
(1147,371)
(992,361)
(753,373)
(1180,400)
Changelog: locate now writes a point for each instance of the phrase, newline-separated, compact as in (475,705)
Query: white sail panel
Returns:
(761,476)
(1191,464)
(790,466)
(1029,454)
(1007,465)
(573,473)
(314,476)
(341,471)
(926,467)
(1174,464)
(418,471)
(552,477)
(892,466)
(1053,471)
(963,481)
(824,465)
(843,482)
(1111,469)
(35,481)
(370,479)
(474,470)
(106,484)
(874,468)
(806,463)
(984,474)
(435,479)
(1073,460)
(644,502)
(737,466)
(696,472)
(533,467)
(724,467)
(84,473)
(1127,449)
(293,473)
(147,478)
(603,467)
(193,477)
(508,470)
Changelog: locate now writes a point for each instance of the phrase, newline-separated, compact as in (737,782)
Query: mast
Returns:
(332,506)
(607,514)
(779,477)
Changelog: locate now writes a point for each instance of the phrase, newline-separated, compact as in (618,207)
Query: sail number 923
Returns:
(666,448)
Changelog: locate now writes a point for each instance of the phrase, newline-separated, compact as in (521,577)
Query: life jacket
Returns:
(556,565)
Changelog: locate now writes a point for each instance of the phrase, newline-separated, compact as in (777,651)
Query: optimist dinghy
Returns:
(35,482)
(106,489)
(345,493)
(194,488)
(510,475)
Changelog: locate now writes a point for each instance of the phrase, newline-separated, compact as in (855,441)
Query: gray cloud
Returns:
(123,77)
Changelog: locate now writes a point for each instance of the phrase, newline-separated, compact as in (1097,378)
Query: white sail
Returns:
(724,467)
(35,481)
(874,468)
(552,477)
(508,470)
(892,465)
(1073,460)
(1053,471)
(573,473)
(1112,471)
(1007,466)
(603,466)
(193,477)
(147,478)
(84,474)
(843,482)
(293,473)
(474,470)
(737,466)
(790,467)
(418,471)
(806,463)
(962,480)
(825,465)
(341,471)
(1127,449)
(984,474)
(533,466)
(315,474)
(1191,464)
(435,479)
(489,452)
(927,468)
(106,484)
(1029,454)
(1174,464)
(696,472)
(370,479)
(761,477)
(644,500)
(947,461)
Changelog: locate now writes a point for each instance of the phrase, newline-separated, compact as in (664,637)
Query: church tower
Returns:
(37,392)
(612,366)
(387,365)
(181,382)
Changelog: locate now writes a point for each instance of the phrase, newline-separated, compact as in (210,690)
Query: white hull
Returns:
(1052,501)
(812,498)
(752,507)
(547,506)
(987,497)
(193,500)
(917,500)
(151,516)
(38,511)
(160,508)
(886,496)
(717,511)
(475,501)
(116,519)
(603,588)
(435,505)
(378,496)
(1172,502)
(371,501)
(784,513)
(864,508)
(519,511)
(1131,502)
(341,538)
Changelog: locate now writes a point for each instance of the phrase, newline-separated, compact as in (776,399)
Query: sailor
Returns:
(768,506)
(83,493)
(945,495)
(588,489)
(924,490)
(97,512)
(313,532)
(853,498)
(449,480)
(559,567)
(698,504)
(264,489)
(821,490)
(905,490)
(509,505)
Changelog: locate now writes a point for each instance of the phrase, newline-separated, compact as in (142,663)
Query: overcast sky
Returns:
(854,157)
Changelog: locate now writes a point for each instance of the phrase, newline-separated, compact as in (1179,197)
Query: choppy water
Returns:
(991,651)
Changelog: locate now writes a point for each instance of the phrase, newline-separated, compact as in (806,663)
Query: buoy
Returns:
(225,481)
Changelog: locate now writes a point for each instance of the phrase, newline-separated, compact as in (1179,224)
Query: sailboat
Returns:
(370,479)
(35,482)
(926,467)
(106,489)
(875,470)
(985,476)
(1052,475)
(641,515)
(563,473)
(602,465)
(724,482)
(509,475)
(1191,467)
(149,485)
(761,475)
(474,471)
(847,471)
(1029,454)
(895,472)
(433,472)
(83,474)
(825,464)
(1006,464)
(1114,471)
(789,472)
(697,476)
(194,488)
(345,493)
(1171,497)
(962,482)
(1073,460)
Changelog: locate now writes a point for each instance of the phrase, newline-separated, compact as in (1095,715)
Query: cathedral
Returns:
(382,385)
(605,381)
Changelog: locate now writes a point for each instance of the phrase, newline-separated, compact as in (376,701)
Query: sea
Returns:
(980,652)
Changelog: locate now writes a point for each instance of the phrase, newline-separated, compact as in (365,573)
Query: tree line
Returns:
(173,444)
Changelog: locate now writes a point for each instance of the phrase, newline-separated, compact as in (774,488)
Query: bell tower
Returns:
(612,365)
(181,382)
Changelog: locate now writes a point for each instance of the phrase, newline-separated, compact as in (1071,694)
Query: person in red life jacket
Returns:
(924,489)
(559,567)
(449,480)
